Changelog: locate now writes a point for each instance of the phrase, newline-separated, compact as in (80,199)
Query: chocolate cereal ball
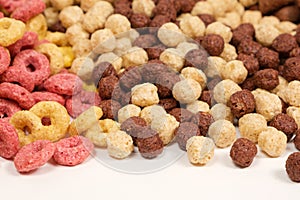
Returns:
(242,32)
(249,47)
(110,109)
(184,132)
(182,115)
(207,18)
(145,41)
(291,70)
(165,83)
(102,70)
(268,58)
(213,43)
(130,77)
(203,120)
(241,103)
(297,139)
(168,104)
(292,166)
(284,43)
(139,20)
(197,58)
(286,124)
(266,79)
(106,86)
(243,152)
(133,126)
(250,62)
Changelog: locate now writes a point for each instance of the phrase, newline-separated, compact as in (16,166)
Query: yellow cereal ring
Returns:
(58,38)
(68,55)
(38,24)
(11,30)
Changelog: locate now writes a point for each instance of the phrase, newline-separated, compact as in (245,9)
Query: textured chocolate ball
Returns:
(266,79)
(166,8)
(182,115)
(129,78)
(207,19)
(249,47)
(268,58)
(284,43)
(297,139)
(133,126)
(203,120)
(249,84)
(250,62)
(119,95)
(241,103)
(206,96)
(197,58)
(151,71)
(158,21)
(295,52)
(168,103)
(106,86)
(213,44)
(243,152)
(292,166)
(186,6)
(139,20)
(145,41)
(155,51)
(110,109)
(291,69)
(165,83)
(286,124)
(102,70)
(123,8)
(184,132)
(288,13)
(242,32)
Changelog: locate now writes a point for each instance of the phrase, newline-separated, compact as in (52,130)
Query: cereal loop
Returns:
(8,108)
(9,141)
(28,10)
(11,30)
(4,59)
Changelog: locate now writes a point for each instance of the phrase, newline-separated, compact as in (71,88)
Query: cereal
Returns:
(294,112)
(222,133)
(173,58)
(122,45)
(249,47)
(117,24)
(11,30)
(72,151)
(243,152)
(291,69)
(242,32)
(221,111)
(58,38)
(119,145)
(106,86)
(234,70)
(198,106)
(28,10)
(128,111)
(164,8)
(168,103)
(59,5)
(134,56)
(200,149)
(110,108)
(224,89)
(206,97)
(204,120)
(228,53)
(38,24)
(134,126)
(165,83)
(144,95)
(297,139)
(182,115)
(266,33)
(187,91)
(207,19)
(34,155)
(47,96)
(251,16)
(192,26)
(103,41)
(185,131)
(267,58)
(9,141)
(250,63)
(8,108)
(85,5)
(196,74)
(197,58)
(248,3)
(272,142)
(143,6)
(266,6)
(202,7)
(214,44)
(219,29)
(130,77)
(75,33)
(292,166)
(70,15)
(170,35)
(185,47)
(150,113)
(291,93)
(101,70)
(145,41)
(241,103)
(284,43)
(4,59)
(214,66)
(231,19)
(51,15)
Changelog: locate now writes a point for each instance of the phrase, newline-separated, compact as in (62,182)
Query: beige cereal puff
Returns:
(196,74)
(252,16)
(239,8)
(202,7)
(292,93)
(103,41)
(215,65)
(70,15)
(185,47)
(219,29)
(117,24)
(269,20)
(128,111)
(82,47)
(58,38)
(144,95)
(222,6)
(224,89)
(134,56)
(51,15)
(75,33)
(143,6)
(294,112)
(267,104)
(83,67)
(122,45)
(200,149)
(272,142)
(182,16)
(198,106)
(87,4)
(150,113)
(222,132)
(248,3)
(132,34)
(112,58)
(232,19)
(251,125)
(119,144)
(235,71)
(286,27)
(265,34)
(192,26)
(173,58)
(280,88)
(187,91)
(229,53)
(220,111)
(170,35)
(60,4)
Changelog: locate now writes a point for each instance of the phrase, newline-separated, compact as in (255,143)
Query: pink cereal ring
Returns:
(9,140)
(73,150)
(28,9)
(63,84)
(47,96)
(8,108)
(34,155)
(17,93)
(11,5)
(28,41)
(4,59)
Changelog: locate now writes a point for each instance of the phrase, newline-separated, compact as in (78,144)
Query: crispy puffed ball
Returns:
(224,89)
(196,74)
(143,6)
(83,67)
(82,47)
(165,127)
(144,95)
(265,34)
(286,27)
(170,35)
(117,24)
(134,56)
(222,6)
(279,90)
(229,52)
(198,106)
(185,47)
(202,7)
(150,113)
(222,132)
(235,71)
(269,20)
(128,111)
(220,111)
(239,8)
(103,41)
(119,144)
(112,58)
(192,26)
(215,65)
(251,125)
(58,38)
(200,149)
(232,19)
(173,58)
(292,93)
(132,34)
(219,29)
(60,4)
(87,4)
(294,112)
(122,44)
(251,16)
(267,104)
(272,142)
(70,15)
(51,15)
(248,3)
(187,91)
(75,33)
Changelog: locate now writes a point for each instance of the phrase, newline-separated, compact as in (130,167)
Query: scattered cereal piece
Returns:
(292,166)
(222,132)
(243,152)
(119,144)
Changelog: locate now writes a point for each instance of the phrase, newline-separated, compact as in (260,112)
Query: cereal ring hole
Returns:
(27,130)
(46,121)
(30,68)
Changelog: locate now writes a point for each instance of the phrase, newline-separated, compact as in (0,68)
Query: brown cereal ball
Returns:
(241,103)
(197,58)
(206,96)
(242,32)
(185,6)
(130,77)
(139,20)
(168,104)
(250,62)
(297,139)
(121,96)
(107,86)
(145,41)
(284,43)
(149,143)
(158,21)
(165,83)
(288,13)
(184,132)
(102,70)
(249,84)
(249,47)
(266,79)
(268,58)
(123,7)
(203,120)
(291,69)
(110,109)
(207,18)
(155,51)
(133,126)
(182,115)
(213,43)
(286,124)
(292,166)
(150,71)
(166,8)
(243,152)
(295,52)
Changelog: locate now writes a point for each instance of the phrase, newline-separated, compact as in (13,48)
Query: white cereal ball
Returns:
(185,47)
(248,3)
(272,142)
(294,112)
(143,6)
(224,89)
(119,144)
(70,15)
(59,4)
(122,45)
(112,58)
(265,34)
(286,27)
(83,67)
(173,58)
(219,29)
(200,149)
(150,113)
(144,95)
(135,56)
(222,132)
(202,7)
(198,106)
(192,26)
(128,111)
(292,93)
(170,35)
(251,125)
(229,52)
(75,33)
(267,104)
(87,4)
(235,71)
(251,16)
(279,90)
(232,19)
(215,65)
(269,20)
(82,47)
(103,41)
(221,111)
(187,91)
(196,74)
(117,24)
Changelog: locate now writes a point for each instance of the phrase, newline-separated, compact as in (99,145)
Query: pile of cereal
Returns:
(125,74)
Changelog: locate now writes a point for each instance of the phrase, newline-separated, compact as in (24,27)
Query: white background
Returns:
(219,179)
